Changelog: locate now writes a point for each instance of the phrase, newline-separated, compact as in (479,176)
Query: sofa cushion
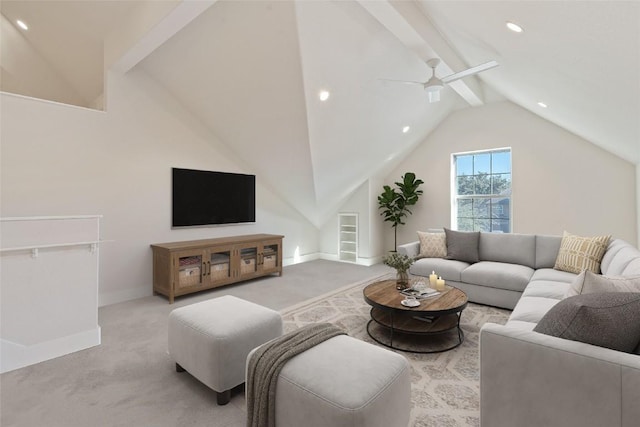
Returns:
(547,248)
(633,268)
(552,275)
(463,245)
(610,320)
(432,245)
(448,269)
(589,283)
(532,309)
(621,260)
(615,246)
(546,289)
(501,275)
(508,247)
(581,253)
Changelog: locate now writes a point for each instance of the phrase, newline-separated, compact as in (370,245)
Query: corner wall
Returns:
(63,160)
(560,181)
(362,201)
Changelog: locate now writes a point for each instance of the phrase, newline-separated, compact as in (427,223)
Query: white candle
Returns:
(440,284)
(432,279)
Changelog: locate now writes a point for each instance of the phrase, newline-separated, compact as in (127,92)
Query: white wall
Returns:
(26,72)
(560,181)
(59,160)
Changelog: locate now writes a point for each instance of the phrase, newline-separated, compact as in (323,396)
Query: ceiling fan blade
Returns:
(403,81)
(470,71)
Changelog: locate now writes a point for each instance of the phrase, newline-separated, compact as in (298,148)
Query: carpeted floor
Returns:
(129,380)
(445,386)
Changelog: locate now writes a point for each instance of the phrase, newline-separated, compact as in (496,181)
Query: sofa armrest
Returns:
(530,379)
(410,249)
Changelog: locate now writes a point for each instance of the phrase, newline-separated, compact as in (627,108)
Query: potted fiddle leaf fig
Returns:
(395,202)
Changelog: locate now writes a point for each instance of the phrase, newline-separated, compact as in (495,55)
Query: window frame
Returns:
(454,188)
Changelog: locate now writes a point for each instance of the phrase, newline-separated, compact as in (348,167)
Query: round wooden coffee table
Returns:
(435,315)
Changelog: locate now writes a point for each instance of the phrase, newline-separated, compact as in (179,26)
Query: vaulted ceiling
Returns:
(251,71)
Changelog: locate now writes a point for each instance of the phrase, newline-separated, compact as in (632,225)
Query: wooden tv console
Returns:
(181,268)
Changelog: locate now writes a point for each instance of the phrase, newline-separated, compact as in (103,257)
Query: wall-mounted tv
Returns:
(203,198)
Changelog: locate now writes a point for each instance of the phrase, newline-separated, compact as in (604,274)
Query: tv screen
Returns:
(210,198)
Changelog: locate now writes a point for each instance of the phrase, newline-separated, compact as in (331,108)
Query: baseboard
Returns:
(14,356)
(300,258)
(360,261)
(124,295)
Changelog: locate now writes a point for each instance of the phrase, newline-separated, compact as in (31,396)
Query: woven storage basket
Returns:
(247,265)
(189,276)
(220,271)
(269,261)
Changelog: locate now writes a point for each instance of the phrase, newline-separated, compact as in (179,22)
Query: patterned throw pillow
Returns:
(581,253)
(432,245)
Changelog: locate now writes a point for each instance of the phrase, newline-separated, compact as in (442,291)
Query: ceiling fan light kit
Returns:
(435,84)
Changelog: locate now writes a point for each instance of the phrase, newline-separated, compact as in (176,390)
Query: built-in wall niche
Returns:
(348,237)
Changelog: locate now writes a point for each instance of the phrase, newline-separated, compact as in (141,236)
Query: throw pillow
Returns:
(581,253)
(610,320)
(432,245)
(462,245)
(589,283)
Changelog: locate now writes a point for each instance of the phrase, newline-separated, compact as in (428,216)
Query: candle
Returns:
(432,279)
(440,284)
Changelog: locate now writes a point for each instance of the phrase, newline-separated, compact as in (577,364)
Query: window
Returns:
(481,191)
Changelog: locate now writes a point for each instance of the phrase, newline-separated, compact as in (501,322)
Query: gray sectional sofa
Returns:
(528,379)
(508,263)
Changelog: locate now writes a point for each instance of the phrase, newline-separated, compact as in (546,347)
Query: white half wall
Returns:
(60,160)
(49,287)
(560,181)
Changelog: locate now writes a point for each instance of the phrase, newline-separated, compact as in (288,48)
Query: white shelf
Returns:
(348,237)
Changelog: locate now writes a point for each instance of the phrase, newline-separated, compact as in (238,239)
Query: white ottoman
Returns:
(344,382)
(211,340)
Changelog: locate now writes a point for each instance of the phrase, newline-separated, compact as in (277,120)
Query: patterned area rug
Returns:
(445,387)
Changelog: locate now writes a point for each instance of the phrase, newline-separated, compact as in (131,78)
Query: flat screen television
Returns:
(202,198)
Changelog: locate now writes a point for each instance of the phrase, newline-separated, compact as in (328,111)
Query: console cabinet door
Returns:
(246,260)
(219,266)
(270,260)
(189,271)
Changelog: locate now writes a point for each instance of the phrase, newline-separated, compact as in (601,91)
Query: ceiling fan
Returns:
(434,84)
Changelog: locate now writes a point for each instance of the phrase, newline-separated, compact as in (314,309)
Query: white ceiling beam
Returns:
(408,23)
(165,28)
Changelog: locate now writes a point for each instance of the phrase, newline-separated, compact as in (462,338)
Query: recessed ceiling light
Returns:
(323,95)
(542,104)
(405,129)
(514,27)
(22,25)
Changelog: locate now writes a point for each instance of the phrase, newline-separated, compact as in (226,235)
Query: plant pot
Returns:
(402,280)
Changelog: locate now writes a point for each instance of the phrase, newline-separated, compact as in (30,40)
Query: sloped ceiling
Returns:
(252,70)
(581,58)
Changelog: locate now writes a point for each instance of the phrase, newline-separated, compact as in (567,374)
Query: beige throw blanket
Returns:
(267,362)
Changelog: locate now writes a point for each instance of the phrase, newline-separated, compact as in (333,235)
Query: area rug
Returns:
(445,387)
